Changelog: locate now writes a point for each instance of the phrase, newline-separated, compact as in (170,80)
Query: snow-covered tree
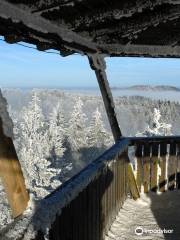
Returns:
(57,142)
(97,134)
(34,150)
(77,134)
(158,127)
(57,132)
(5,216)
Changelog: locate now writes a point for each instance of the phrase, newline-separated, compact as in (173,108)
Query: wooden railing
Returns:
(85,206)
(95,197)
(158,163)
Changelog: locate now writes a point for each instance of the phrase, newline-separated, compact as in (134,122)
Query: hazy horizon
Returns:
(89,87)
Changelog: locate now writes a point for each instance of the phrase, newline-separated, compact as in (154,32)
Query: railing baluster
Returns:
(119,182)
(89,215)
(139,154)
(172,164)
(178,167)
(163,168)
(146,165)
(114,191)
(154,167)
(102,202)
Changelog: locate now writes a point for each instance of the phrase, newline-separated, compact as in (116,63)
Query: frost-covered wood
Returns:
(36,23)
(157,166)
(122,28)
(10,169)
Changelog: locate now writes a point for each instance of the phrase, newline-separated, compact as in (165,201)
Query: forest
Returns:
(58,133)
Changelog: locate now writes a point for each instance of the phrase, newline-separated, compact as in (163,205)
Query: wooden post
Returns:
(172,166)
(98,64)
(11,175)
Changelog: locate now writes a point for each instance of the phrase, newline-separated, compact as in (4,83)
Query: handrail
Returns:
(157,162)
(68,191)
(153,139)
(85,206)
(91,170)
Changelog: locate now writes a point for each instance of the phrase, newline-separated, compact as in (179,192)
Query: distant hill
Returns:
(149,88)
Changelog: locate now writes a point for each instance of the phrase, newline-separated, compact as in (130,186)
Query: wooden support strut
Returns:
(98,64)
(11,175)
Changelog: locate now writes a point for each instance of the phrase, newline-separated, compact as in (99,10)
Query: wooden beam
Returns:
(11,39)
(133,50)
(11,175)
(35,23)
(154,139)
(98,64)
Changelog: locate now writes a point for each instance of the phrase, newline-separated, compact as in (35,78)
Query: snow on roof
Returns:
(114,28)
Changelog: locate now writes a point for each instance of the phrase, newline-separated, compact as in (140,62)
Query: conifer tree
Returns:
(158,127)
(97,134)
(77,134)
(57,132)
(34,150)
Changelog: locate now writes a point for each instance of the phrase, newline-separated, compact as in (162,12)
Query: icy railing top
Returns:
(48,208)
(7,123)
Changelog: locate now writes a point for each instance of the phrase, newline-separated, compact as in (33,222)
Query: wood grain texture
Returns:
(172,165)
(12,176)
(154,167)
(146,165)
(139,157)
(162,164)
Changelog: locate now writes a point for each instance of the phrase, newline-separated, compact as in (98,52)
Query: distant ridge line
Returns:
(149,88)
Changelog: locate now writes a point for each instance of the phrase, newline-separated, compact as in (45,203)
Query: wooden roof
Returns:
(115,28)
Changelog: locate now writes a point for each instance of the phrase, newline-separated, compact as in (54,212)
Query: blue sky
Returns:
(23,67)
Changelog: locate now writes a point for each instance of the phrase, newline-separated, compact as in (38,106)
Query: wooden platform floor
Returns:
(151,214)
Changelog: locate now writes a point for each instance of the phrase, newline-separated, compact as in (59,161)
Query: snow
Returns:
(152,212)
(97,134)
(4,115)
(77,128)
(47,132)
(34,149)
(158,128)
(45,154)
